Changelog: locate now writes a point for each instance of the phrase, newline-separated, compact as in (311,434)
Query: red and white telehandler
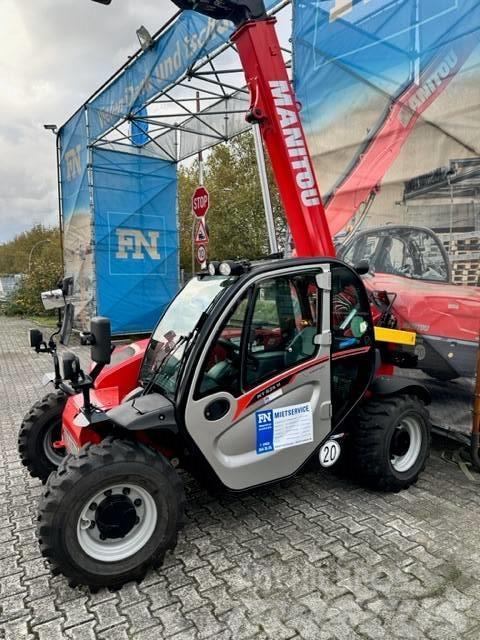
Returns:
(253,370)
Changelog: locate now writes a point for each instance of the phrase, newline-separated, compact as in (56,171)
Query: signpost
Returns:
(200,205)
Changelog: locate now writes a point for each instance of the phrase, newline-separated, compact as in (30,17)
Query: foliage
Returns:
(37,255)
(236,218)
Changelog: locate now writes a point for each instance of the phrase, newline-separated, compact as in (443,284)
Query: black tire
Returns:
(377,436)
(77,481)
(39,429)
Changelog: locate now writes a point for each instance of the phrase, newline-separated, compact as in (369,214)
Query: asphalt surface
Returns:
(313,558)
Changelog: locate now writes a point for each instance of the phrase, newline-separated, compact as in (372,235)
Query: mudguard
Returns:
(391,385)
(152,411)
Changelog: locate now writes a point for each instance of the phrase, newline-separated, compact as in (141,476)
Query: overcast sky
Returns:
(53,55)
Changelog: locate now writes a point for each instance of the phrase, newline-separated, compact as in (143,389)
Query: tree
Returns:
(236,218)
(36,254)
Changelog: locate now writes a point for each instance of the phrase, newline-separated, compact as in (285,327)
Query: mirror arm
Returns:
(98,368)
(56,367)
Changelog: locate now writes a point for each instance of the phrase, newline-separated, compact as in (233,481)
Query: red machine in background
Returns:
(411,264)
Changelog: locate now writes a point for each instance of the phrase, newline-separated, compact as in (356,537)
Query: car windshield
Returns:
(172,334)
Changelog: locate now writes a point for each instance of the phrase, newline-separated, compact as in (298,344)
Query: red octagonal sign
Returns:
(200,202)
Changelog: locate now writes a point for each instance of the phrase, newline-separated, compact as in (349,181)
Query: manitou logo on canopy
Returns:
(434,81)
(295,140)
(136,244)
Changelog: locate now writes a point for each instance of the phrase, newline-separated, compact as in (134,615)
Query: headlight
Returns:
(212,268)
(225,268)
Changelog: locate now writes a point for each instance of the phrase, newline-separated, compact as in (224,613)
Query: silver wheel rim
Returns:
(52,455)
(115,549)
(410,426)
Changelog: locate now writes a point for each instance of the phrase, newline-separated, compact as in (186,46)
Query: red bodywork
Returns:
(438,309)
(111,386)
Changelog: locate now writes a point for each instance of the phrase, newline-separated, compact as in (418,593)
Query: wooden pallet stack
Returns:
(464,252)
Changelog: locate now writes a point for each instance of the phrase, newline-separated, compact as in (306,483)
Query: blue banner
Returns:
(77,215)
(136,238)
(350,51)
(190,38)
(390,102)
(73,167)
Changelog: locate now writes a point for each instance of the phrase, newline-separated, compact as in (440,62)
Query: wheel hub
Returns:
(51,436)
(400,442)
(406,444)
(115,516)
(116,522)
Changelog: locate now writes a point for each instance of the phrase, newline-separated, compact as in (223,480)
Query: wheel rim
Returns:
(116,522)
(51,435)
(406,444)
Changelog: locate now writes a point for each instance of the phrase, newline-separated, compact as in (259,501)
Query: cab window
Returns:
(221,369)
(352,329)
(270,330)
(282,326)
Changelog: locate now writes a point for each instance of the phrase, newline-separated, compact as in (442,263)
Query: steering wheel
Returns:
(231,347)
(233,350)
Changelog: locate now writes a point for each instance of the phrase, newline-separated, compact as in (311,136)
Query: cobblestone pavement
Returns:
(314,558)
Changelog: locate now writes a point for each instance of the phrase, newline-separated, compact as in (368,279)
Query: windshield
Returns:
(171,336)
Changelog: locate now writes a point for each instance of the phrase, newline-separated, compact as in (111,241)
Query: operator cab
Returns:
(269,335)
(401,250)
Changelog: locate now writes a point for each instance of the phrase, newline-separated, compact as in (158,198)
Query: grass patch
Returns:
(43,321)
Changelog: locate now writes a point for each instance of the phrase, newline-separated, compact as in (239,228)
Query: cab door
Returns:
(259,404)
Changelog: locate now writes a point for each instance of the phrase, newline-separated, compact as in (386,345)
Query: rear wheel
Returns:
(40,430)
(391,442)
(109,514)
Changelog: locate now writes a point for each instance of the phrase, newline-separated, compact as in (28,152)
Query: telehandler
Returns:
(253,370)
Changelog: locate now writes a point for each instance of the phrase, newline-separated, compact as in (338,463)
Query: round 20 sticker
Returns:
(329,453)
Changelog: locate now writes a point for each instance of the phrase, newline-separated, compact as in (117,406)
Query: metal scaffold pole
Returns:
(267,202)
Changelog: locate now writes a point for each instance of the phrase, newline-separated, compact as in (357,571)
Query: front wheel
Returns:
(109,514)
(391,442)
(40,430)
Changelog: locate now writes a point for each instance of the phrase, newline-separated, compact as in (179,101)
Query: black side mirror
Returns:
(362,267)
(71,367)
(67,286)
(35,337)
(101,347)
(67,324)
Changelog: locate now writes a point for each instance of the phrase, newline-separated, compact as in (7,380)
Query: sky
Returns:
(53,55)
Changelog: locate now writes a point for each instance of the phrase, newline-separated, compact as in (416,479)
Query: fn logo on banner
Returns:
(137,244)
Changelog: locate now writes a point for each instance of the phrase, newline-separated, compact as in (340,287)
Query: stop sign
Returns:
(200,202)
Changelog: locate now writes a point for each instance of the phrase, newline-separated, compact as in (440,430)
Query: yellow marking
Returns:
(382,334)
